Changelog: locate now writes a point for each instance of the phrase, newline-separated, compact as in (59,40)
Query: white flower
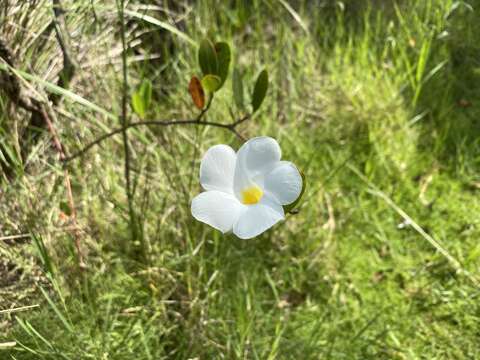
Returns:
(245,191)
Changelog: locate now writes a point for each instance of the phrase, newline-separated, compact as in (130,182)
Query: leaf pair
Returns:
(259,90)
(197,87)
(214,60)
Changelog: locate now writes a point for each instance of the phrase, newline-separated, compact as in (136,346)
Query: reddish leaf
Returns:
(196,91)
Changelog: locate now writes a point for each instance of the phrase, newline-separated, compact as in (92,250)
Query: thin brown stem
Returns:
(124,121)
(205,109)
(197,135)
(231,127)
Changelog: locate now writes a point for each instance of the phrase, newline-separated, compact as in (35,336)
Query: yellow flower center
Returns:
(251,195)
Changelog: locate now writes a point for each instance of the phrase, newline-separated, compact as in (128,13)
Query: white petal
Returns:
(256,156)
(258,218)
(284,183)
(217,168)
(217,209)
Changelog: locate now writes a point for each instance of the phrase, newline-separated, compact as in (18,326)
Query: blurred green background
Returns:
(376,101)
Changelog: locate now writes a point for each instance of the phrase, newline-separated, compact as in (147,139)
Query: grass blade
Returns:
(161,24)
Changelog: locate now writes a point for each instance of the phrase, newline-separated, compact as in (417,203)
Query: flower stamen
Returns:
(252,195)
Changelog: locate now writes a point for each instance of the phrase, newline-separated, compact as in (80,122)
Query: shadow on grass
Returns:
(452,129)
(441,86)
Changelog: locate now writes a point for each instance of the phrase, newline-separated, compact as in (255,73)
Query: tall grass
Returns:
(362,93)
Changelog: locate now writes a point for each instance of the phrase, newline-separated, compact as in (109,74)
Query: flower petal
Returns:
(217,168)
(217,209)
(258,218)
(256,156)
(284,183)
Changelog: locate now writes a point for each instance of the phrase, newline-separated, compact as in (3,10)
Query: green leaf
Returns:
(142,98)
(288,208)
(211,83)
(237,84)
(57,311)
(260,90)
(223,56)
(137,104)
(207,57)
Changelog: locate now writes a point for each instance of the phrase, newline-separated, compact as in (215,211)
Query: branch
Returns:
(198,121)
(206,108)
(64,76)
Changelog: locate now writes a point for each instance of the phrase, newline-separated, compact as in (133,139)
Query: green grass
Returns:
(364,96)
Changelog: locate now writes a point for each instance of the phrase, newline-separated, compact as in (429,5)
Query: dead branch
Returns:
(65,76)
(63,39)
